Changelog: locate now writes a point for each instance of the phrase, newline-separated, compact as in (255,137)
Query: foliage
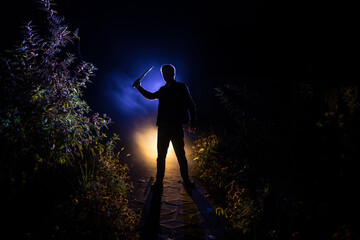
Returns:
(207,153)
(222,165)
(101,209)
(45,125)
(240,103)
(244,209)
(341,111)
(43,119)
(288,151)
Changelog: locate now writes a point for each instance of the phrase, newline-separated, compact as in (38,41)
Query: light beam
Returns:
(145,138)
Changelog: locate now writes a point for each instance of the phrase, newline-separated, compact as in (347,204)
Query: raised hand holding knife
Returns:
(137,81)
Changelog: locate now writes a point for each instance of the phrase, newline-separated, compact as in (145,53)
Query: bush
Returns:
(46,133)
(43,117)
(285,167)
(100,209)
(222,166)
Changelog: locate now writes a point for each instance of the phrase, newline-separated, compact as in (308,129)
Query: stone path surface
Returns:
(175,213)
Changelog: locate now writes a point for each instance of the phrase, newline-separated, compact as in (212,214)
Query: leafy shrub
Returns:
(101,208)
(46,126)
(287,152)
(223,168)
(230,161)
(43,119)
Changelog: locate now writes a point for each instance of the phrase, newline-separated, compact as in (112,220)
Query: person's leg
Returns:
(163,141)
(177,140)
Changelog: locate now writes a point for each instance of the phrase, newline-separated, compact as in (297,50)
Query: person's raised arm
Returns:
(145,93)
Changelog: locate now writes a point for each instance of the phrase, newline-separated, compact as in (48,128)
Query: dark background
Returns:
(266,45)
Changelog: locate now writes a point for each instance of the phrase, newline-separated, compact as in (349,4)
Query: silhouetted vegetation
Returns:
(284,168)
(60,175)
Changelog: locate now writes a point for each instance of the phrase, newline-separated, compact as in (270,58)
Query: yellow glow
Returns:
(145,137)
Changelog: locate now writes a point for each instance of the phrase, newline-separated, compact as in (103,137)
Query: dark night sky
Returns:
(265,44)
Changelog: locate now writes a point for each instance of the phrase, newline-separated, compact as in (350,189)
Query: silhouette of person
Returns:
(175,104)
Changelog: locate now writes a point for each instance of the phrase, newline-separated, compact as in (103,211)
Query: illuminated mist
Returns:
(145,141)
(128,102)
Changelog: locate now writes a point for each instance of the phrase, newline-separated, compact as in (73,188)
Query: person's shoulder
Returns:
(180,85)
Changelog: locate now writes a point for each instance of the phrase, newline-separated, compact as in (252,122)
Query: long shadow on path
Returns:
(151,222)
(178,213)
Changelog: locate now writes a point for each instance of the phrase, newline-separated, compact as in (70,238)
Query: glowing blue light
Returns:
(128,100)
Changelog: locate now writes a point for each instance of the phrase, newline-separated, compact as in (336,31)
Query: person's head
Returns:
(168,72)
